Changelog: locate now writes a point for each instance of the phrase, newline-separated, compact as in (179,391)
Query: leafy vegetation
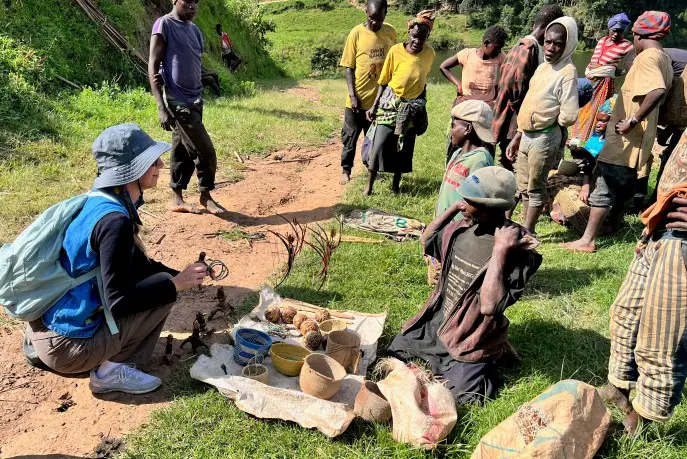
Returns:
(301,28)
(517,15)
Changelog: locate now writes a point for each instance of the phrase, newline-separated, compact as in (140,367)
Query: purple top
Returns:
(181,61)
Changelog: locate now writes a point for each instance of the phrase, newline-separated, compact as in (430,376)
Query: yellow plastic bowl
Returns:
(288,358)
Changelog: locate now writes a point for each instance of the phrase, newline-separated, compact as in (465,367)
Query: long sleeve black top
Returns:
(124,265)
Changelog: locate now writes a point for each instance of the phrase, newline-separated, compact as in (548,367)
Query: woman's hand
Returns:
(371,114)
(190,277)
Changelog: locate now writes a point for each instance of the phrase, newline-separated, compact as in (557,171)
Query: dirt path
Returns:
(29,398)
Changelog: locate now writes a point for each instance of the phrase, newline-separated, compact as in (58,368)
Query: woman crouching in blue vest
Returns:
(78,334)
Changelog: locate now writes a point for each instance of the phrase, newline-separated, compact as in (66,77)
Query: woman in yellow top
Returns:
(398,112)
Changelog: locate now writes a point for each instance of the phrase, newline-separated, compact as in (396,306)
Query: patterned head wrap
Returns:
(619,21)
(423,17)
(654,25)
(607,107)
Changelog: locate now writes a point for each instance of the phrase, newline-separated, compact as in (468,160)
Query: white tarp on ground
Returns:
(282,397)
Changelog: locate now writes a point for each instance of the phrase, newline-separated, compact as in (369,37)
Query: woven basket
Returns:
(249,344)
(288,358)
(256,372)
(328,326)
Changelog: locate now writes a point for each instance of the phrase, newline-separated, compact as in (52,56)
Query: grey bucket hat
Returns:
(123,153)
(493,187)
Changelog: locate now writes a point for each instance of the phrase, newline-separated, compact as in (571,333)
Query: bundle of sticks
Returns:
(113,36)
(311,309)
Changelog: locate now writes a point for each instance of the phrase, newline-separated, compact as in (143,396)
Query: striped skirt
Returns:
(649,329)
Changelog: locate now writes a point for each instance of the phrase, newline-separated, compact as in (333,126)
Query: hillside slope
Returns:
(74,48)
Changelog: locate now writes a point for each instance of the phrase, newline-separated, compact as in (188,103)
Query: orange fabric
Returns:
(654,214)
(423,17)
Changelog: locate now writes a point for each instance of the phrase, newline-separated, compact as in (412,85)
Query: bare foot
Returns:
(614,396)
(178,204)
(345,178)
(210,204)
(633,423)
(579,246)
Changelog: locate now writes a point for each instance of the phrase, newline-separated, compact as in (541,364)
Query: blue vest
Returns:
(79,313)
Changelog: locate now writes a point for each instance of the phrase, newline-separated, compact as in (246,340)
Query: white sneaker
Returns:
(126,378)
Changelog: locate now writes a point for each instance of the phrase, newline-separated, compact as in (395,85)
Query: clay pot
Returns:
(371,405)
(321,376)
(344,347)
(256,372)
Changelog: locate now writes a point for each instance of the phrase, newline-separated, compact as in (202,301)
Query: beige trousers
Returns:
(135,342)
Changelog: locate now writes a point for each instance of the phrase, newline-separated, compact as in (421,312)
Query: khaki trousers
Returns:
(135,342)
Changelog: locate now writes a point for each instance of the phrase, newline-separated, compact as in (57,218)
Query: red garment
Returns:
(608,52)
(516,72)
(652,24)
(226,43)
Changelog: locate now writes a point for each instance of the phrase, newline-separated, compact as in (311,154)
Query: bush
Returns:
(324,60)
(415,6)
(22,106)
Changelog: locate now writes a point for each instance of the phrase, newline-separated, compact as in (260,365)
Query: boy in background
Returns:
(516,72)
(550,105)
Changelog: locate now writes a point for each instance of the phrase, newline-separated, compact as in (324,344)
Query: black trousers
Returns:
(231,60)
(192,148)
(354,124)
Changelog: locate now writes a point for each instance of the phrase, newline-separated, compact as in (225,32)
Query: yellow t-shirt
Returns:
(407,73)
(365,52)
(479,76)
(651,70)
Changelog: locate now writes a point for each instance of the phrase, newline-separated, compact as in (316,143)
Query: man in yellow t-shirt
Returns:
(363,57)
(632,128)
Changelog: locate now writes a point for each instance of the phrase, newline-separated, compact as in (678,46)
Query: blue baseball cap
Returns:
(123,153)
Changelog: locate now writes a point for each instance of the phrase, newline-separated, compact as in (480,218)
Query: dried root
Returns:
(293,243)
(324,243)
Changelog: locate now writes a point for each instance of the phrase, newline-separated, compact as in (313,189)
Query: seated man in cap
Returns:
(487,261)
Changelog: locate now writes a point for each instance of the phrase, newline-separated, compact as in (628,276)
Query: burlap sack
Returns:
(568,209)
(423,412)
(568,420)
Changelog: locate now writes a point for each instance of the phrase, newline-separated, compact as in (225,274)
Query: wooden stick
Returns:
(365,240)
(310,314)
(64,80)
(145,212)
(295,160)
(238,157)
(311,307)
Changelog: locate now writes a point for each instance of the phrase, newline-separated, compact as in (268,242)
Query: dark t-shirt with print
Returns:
(470,253)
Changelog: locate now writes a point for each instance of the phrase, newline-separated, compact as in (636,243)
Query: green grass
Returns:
(299,32)
(39,173)
(560,328)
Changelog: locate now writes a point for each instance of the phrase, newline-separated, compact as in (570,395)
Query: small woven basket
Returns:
(331,325)
(288,358)
(250,343)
